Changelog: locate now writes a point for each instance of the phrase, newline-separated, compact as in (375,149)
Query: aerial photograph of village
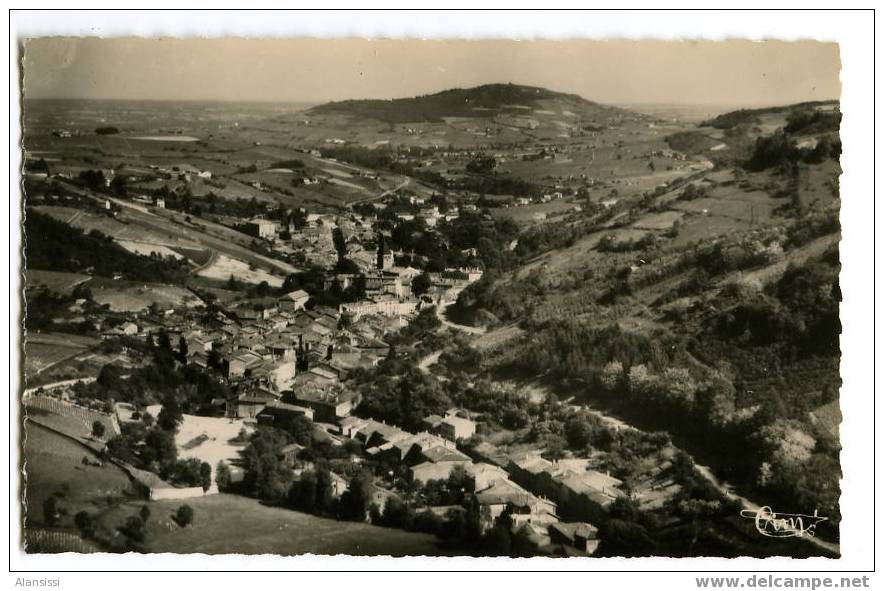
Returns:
(496,309)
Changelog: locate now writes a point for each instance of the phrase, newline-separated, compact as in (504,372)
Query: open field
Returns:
(224,267)
(534,212)
(133,297)
(147,249)
(47,349)
(658,221)
(207,438)
(226,523)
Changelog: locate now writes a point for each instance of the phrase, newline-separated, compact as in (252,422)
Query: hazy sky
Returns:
(312,70)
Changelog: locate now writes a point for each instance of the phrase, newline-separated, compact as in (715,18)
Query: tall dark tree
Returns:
(182,349)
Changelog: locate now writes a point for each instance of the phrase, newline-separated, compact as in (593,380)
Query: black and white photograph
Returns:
(350,296)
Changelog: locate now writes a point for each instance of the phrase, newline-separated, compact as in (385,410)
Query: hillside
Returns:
(482,101)
(713,297)
(743,116)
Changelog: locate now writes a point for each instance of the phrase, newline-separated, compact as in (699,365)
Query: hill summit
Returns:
(481,101)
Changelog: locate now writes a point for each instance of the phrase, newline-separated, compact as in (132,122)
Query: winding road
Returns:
(440,314)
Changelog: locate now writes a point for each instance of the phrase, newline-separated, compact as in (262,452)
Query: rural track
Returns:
(401,185)
(213,257)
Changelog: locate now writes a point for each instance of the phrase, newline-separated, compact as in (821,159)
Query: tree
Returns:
(623,538)
(182,349)
(267,476)
(184,515)
(205,476)
(85,523)
(110,378)
(356,499)
(302,494)
(421,284)
(98,429)
(162,445)
(324,493)
(118,186)
(170,415)
(481,165)
(50,510)
(579,432)
(397,514)
(222,476)
(93,179)
(497,542)
(163,341)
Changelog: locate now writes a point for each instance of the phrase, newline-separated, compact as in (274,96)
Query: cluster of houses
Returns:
(274,353)
(432,455)
(578,489)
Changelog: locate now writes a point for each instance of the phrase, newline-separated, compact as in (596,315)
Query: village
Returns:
(462,347)
(286,358)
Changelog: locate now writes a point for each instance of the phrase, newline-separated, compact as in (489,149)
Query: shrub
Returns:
(184,515)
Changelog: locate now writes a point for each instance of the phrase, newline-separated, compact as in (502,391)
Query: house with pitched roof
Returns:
(294,300)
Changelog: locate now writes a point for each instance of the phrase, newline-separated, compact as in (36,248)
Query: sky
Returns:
(736,72)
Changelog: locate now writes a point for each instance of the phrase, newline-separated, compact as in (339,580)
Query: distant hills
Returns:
(751,116)
(488,100)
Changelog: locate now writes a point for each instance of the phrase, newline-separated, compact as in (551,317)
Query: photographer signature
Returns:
(783,525)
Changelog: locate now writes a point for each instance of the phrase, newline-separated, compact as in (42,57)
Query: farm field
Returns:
(133,297)
(226,523)
(45,350)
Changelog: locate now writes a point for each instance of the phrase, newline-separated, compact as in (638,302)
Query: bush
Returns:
(133,529)
(98,429)
(184,515)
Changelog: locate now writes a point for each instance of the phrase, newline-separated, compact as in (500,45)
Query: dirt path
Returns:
(428,361)
(440,314)
(401,185)
(213,258)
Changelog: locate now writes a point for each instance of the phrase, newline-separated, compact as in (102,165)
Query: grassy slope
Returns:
(53,463)
(232,524)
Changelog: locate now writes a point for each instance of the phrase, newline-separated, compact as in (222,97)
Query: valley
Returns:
(468,322)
